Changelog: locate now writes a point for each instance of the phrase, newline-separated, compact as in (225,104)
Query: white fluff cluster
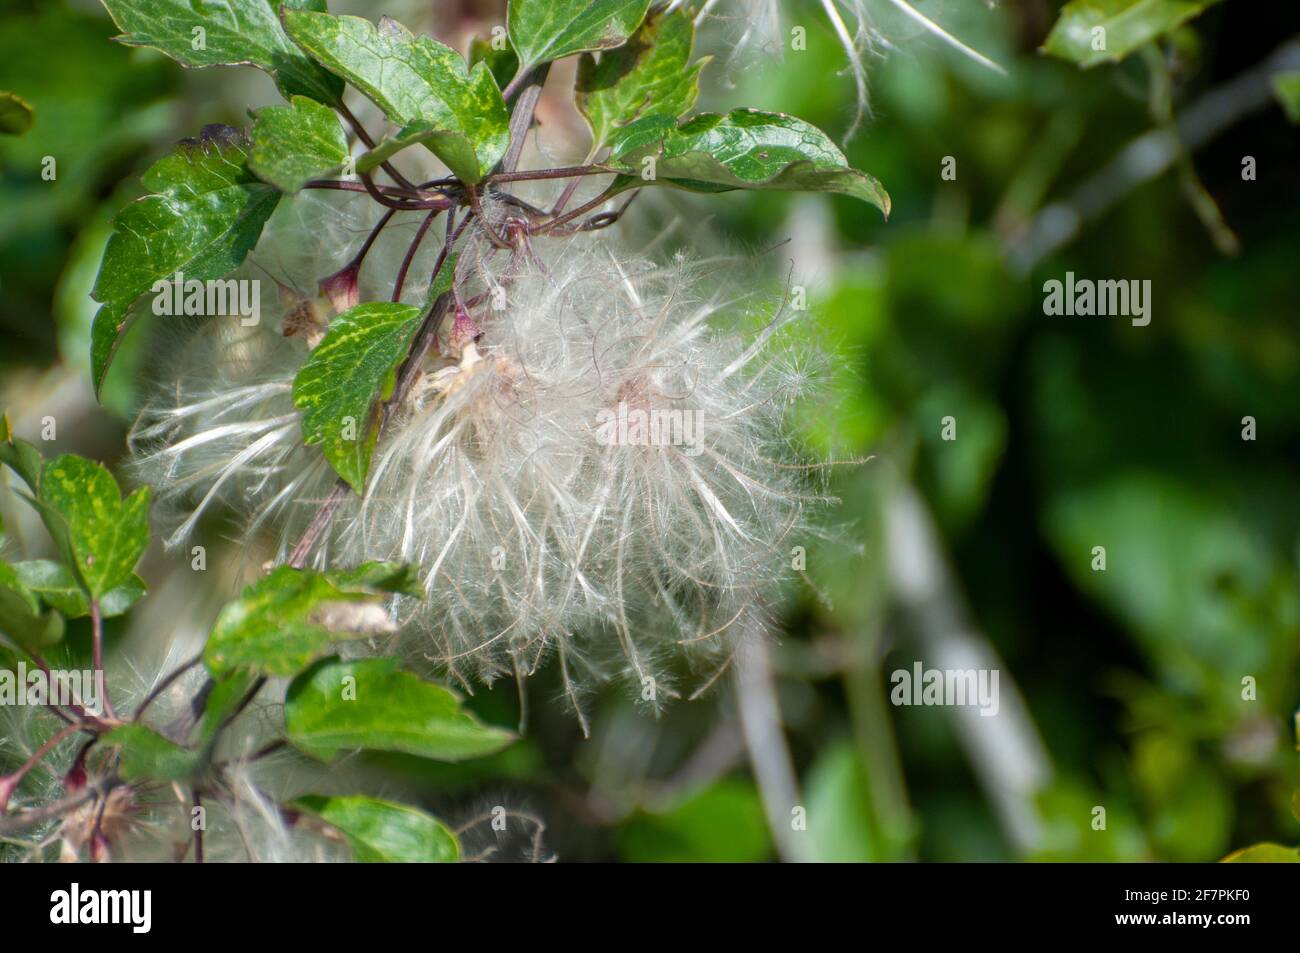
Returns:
(606,466)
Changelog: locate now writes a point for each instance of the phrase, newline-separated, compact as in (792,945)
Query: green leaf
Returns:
(224,700)
(21,618)
(203,217)
(413,79)
(16,115)
(20,456)
(339,385)
(745,149)
(428,134)
(1286,86)
(102,536)
(296,143)
(650,76)
(722,823)
(402,578)
(291,616)
(841,827)
(338,706)
(546,30)
(1089,32)
(384,832)
(1264,854)
(226,33)
(443,281)
(145,754)
(503,62)
(58,588)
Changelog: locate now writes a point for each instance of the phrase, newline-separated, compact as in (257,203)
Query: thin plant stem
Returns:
(10,782)
(400,283)
(369,140)
(97,651)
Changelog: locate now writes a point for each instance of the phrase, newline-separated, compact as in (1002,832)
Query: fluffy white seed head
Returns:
(605,468)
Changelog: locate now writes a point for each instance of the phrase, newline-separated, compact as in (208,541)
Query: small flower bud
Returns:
(341,288)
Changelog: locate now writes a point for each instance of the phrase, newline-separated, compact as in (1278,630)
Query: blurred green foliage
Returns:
(1072,433)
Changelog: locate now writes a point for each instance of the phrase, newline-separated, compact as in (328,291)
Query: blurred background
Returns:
(1163,688)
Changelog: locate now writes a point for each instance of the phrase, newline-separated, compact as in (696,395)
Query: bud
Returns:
(75,779)
(463,331)
(341,288)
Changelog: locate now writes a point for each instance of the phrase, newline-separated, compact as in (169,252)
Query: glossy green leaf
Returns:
(413,79)
(546,30)
(651,75)
(384,832)
(338,706)
(291,616)
(1089,32)
(102,535)
(339,386)
(145,754)
(21,617)
(744,149)
(58,588)
(203,216)
(1264,854)
(296,143)
(16,115)
(226,33)
(1286,87)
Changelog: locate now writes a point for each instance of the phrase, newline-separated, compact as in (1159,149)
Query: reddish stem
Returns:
(10,782)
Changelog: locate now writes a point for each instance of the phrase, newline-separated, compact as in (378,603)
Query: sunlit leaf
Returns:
(291,616)
(145,754)
(545,30)
(103,536)
(340,384)
(384,832)
(1089,32)
(1264,854)
(226,33)
(744,149)
(413,79)
(58,588)
(338,706)
(203,216)
(651,75)
(296,143)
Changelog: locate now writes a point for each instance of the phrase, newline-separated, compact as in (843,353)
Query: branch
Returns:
(1004,749)
(97,651)
(13,823)
(9,783)
(760,721)
(410,253)
(1148,156)
(529,86)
